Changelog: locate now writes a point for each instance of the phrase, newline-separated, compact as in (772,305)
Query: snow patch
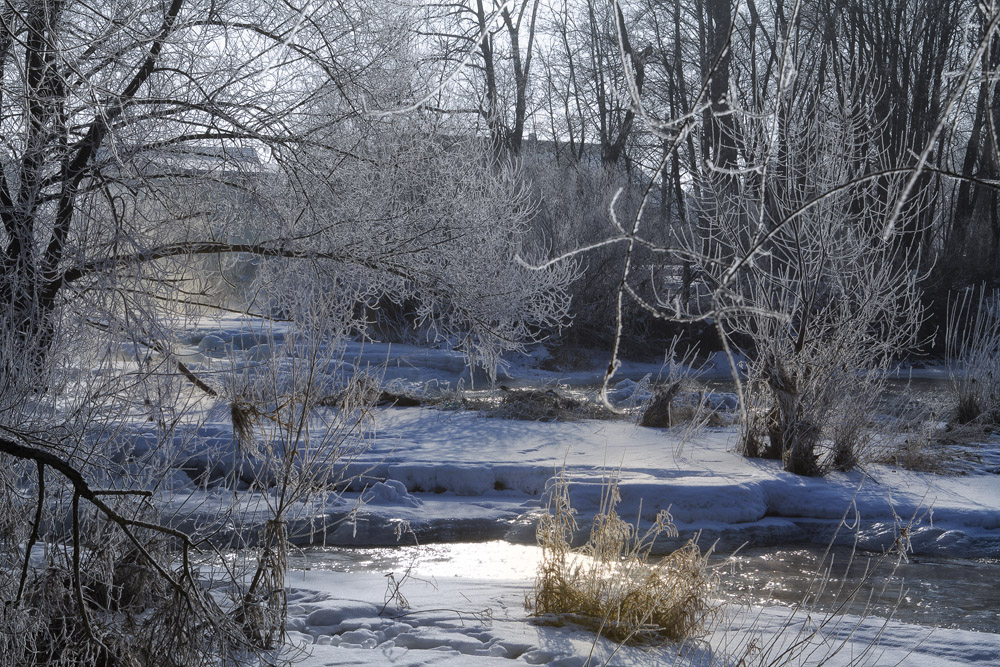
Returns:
(389,492)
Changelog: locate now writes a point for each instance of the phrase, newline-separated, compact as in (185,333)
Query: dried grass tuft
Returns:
(610,584)
(536,405)
(244,416)
(927,447)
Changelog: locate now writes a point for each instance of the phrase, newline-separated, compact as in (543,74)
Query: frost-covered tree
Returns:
(820,298)
(155,155)
(797,156)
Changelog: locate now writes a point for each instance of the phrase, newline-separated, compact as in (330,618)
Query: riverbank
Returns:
(431,474)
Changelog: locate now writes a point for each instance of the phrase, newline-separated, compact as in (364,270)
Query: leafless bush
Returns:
(112,586)
(972,346)
(293,447)
(678,400)
(573,203)
(827,305)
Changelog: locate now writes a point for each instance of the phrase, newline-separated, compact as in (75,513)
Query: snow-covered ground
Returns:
(460,476)
(473,617)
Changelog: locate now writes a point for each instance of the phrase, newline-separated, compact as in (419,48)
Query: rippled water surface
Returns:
(948,593)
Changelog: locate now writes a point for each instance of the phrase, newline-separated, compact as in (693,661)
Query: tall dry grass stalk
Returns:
(972,346)
(610,584)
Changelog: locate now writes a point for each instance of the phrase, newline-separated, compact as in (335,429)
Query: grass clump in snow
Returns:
(610,584)
(936,447)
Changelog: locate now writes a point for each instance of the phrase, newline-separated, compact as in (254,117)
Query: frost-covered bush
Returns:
(432,222)
(573,201)
(821,293)
(972,342)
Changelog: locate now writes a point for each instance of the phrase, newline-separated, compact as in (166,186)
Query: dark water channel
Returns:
(938,592)
(929,397)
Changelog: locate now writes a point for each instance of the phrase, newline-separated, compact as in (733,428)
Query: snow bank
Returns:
(441,470)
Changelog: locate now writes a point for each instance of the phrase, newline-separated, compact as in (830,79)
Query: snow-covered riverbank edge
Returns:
(426,474)
(455,475)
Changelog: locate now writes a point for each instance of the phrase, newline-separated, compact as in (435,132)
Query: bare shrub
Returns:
(826,307)
(972,346)
(293,447)
(678,373)
(610,584)
(678,400)
(661,412)
(97,598)
(572,212)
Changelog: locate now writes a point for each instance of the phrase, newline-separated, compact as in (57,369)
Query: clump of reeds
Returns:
(611,584)
(972,343)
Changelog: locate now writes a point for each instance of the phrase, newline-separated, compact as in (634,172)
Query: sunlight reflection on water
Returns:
(477,560)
